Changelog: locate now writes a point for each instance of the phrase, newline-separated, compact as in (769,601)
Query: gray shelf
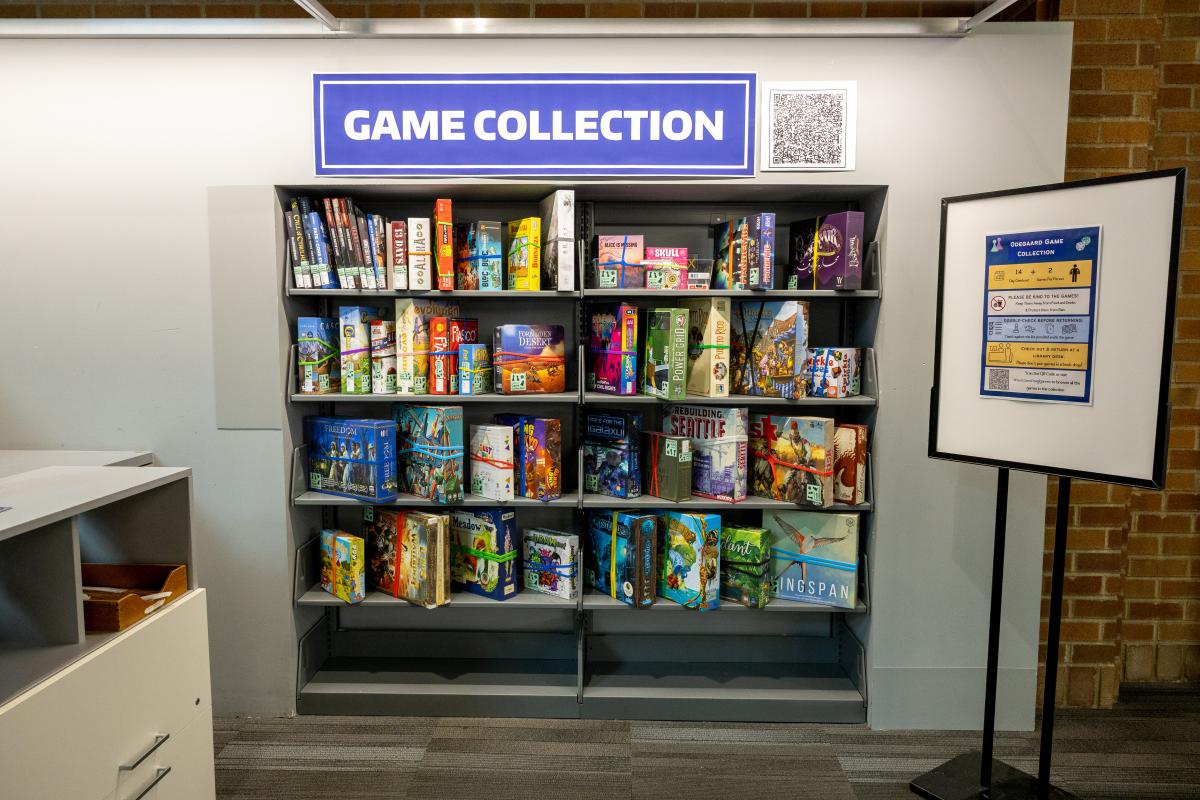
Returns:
(459,600)
(736,294)
(596,601)
(410,501)
(732,400)
(562,398)
(391,294)
(696,503)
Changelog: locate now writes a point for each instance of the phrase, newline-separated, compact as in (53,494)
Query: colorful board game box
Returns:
(618,263)
(342,566)
(834,371)
(665,372)
(529,358)
(397,253)
(356,348)
(755,263)
(430,440)
(318,356)
(551,562)
(690,554)
(409,554)
(492,461)
(708,346)
(666,267)
(523,269)
(612,350)
(610,453)
(621,557)
(479,266)
(420,254)
(484,552)
(814,557)
(558,253)
(352,457)
(412,341)
(746,565)
(827,252)
(726,250)
(850,464)
(541,453)
(770,348)
(383,356)
(719,448)
(793,459)
(443,250)
(668,466)
(446,335)
(474,369)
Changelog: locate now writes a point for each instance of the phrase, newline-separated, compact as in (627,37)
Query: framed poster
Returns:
(1055,320)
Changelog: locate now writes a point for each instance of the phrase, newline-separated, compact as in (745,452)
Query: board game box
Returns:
(492,460)
(352,457)
(666,267)
(317,343)
(484,551)
(523,269)
(665,372)
(409,554)
(443,250)
(834,372)
(412,341)
(529,358)
(793,459)
(474,369)
(754,267)
(420,254)
(708,346)
(610,453)
(770,348)
(690,553)
(612,350)
(356,348)
(343,565)
(668,466)
(383,356)
(541,453)
(397,253)
(558,254)
(620,560)
(746,565)
(850,464)
(719,448)
(618,263)
(827,252)
(551,562)
(814,557)
(430,440)
(446,335)
(725,253)
(479,266)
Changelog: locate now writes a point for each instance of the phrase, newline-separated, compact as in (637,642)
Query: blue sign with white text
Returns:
(535,124)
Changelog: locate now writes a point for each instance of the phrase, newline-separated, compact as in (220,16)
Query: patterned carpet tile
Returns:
(685,770)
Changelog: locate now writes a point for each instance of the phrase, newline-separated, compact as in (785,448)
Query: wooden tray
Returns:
(143,589)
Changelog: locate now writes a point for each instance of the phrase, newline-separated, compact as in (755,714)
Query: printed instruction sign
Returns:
(1039,319)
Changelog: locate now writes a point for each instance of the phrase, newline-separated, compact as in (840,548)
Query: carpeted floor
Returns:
(1147,747)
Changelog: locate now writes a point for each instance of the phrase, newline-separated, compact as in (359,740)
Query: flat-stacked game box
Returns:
(668,466)
(558,253)
(430,451)
(834,372)
(850,464)
(665,373)
(746,565)
(610,453)
(352,457)
(612,350)
(529,359)
(793,459)
(412,341)
(523,270)
(446,335)
(492,461)
(666,267)
(356,348)
(621,557)
(551,562)
(383,356)
(480,262)
(690,553)
(474,369)
(409,554)
(317,342)
(484,551)
(827,252)
(770,348)
(814,557)
(719,448)
(708,346)
(342,566)
(443,248)
(618,263)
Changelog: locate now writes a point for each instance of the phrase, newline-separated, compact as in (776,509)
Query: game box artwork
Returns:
(770,348)
(612,350)
(551,562)
(397,253)
(430,442)
(352,457)
(746,565)
(483,551)
(708,346)
(558,254)
(317,343)
(690,554)
(420,254)
(610,453)
(726,251)
(621,558)
(443,249)
(529,358)
(618,263)
(850,464)
(757,264)
(412,341)
(666,267)
(356,348)
(541,454)
(665,372)
(793,459)
(814,556)
(383,356)
(492,459)
(668,466)
(523,270)
(342,566)
(827,252)
(446,335)
(474,369)
(480,262)
(719,448)
(409,554)
(834,372)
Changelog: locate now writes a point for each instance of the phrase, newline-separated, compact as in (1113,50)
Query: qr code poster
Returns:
(809,125)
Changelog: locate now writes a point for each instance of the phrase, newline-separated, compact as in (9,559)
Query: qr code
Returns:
(998,380)
(808,128)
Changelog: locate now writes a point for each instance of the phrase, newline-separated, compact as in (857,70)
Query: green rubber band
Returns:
(509,556)
(711,347)
(318,362)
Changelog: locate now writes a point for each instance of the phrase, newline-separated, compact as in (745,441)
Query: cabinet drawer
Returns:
(181,769)
(67,736)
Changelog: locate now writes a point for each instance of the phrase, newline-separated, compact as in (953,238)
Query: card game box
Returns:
(827,252)
(558,253)
(318,355)
(484,551)
(413,341)
(850,464)
(474,369)
(356,348)
(668,466)
(492,461)
(814,557)
(665,372)
(352,457)
(708,346)
(430,440)
(529,358)
(446,335)
(443,243)
(793,459)
(618,263)
(621,558)
(610,453)
(666,267)
(409,554)
(397,253)
(834,372)
(719,448)
(746,565)
(343,565)
(769,351)
(690,554)
(523,270)
(551,562)
(383,356)
(612,350)
(420,254)
(480,262)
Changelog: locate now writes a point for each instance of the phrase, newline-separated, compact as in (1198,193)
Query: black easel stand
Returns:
(978,776)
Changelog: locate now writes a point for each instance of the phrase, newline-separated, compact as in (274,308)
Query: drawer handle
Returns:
(162,773)
(158,742)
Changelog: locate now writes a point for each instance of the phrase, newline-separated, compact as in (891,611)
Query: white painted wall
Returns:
(108,149)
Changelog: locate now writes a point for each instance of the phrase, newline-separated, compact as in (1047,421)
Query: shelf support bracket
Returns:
(319,12)
(968,25)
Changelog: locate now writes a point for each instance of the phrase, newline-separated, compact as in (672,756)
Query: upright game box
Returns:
(356,348)
(612,350)
(484,550)
(558,253)
(814,557)
(746,565)
(523,270)
(317,343)
(621,557)
(446,335)
(352,457)
(618,263)
(719,448)
(431,451)
(834,372)
(827,252)
(342,566)
(529,358)
(443,252)
(708,346)
(474,369)
(726,252)
(690,553)
(492,461)
(397,253)
(668,466)
(770,348)
(666,267)
(551,562)
(755,267)
(409,554)
(541,452)
(479,266)
(850,464)
(665,373)
(793,459)
(610,453)
(412,341)
(383,356)
(420,254)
